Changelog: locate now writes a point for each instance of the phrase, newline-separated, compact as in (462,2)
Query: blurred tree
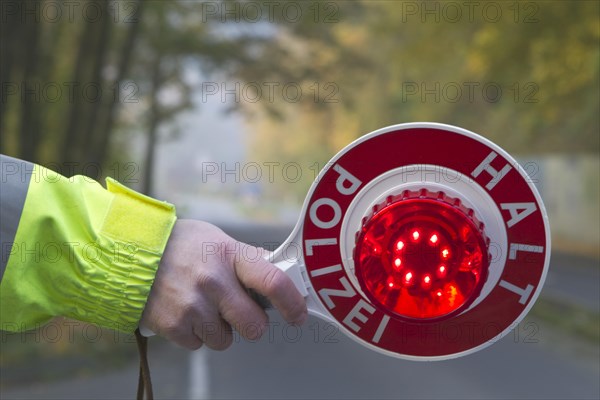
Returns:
(65,99)
(527,78)
(98,145)
(74,76)
(69,84)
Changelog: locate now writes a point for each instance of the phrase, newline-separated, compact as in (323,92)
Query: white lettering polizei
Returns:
(346,176)
(337,213)
(381,328)
(326,293)
(326,270)
(355,314)
(310,243)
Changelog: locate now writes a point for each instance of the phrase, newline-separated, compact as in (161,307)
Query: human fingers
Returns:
(256,273)
(215,332)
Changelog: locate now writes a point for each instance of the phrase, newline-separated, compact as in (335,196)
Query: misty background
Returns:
(229,109)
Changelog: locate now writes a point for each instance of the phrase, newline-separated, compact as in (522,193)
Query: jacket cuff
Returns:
(83,252)
(134,235)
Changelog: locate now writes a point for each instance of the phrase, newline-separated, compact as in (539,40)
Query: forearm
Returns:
(81,251)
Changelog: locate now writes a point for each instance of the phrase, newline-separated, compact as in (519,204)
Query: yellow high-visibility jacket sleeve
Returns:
(82,252)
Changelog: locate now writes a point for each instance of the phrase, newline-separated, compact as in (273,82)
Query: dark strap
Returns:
(144,380)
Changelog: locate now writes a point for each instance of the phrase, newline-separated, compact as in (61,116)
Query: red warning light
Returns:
(445,253)
(441,275)
(408,278)
(426,284)
(441,271)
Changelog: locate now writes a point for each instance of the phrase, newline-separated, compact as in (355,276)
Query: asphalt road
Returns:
(534,361)
(574,279)
(284,368)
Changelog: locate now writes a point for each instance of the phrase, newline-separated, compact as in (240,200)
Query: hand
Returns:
(199,290)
